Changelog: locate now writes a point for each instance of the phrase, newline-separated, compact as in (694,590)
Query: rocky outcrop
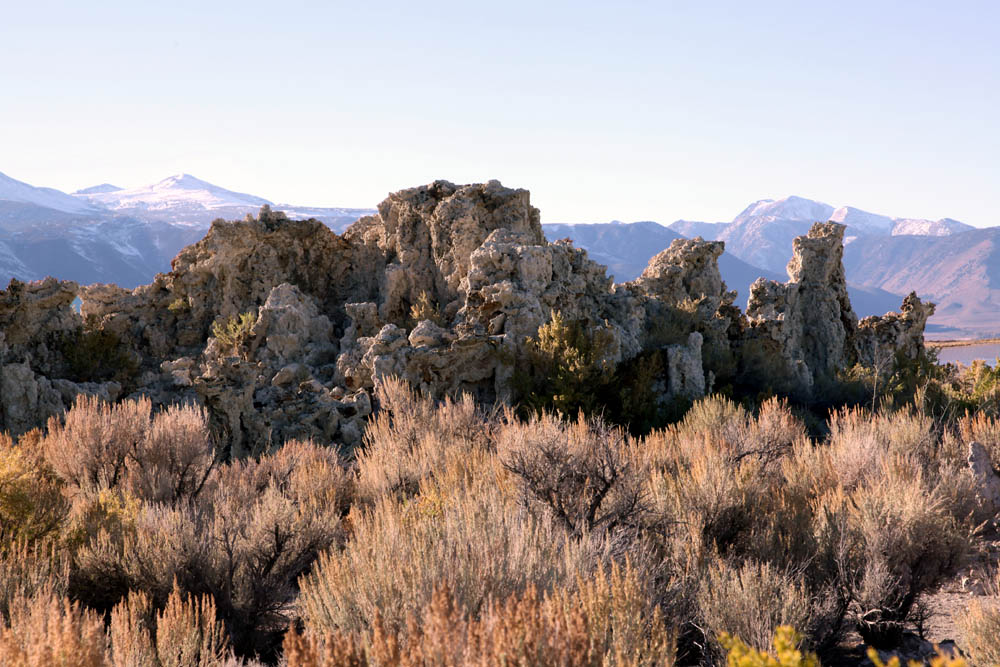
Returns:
(428,235)
(880,339)
(986,479)
(687,270)
(807,322)
(38,326)
(809,331)
(281,328)
(32,317)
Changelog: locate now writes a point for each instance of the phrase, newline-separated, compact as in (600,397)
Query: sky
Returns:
(623,110)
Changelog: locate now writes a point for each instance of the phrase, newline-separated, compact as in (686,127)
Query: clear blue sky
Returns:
(627,110)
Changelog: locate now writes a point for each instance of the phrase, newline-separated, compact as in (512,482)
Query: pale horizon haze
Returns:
(629,110)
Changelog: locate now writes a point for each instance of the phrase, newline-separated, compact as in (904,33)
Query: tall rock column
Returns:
(807,321)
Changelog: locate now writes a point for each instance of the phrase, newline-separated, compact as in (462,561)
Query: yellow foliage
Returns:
(425,309)
(786,651)
(939,660)
(31,502)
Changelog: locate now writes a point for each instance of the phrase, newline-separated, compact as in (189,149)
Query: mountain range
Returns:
(949,262)
(626,248)
(761,234)
(107,233)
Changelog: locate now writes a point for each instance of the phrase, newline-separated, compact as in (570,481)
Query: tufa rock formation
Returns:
(808,321)
(281,328)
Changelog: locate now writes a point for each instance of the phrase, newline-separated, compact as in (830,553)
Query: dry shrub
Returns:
(714,504)
(188,634)
(716,474)
(131,631)
(246,543)
(714,419)
(90,447)
(981,428)
(604,620)
(861,440)
(750,602)
(173,462)
(729,431)
(412,437)
(980,626)
(475,541)
(862,446)
(622,621)
(29,568)
(47,630)
(109,511)
(581,472)
(31,501)
(867,522)
(163,458)
(906,542)
(889,522)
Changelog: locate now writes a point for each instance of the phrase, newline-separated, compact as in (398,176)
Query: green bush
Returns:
(234,332)
(567,369)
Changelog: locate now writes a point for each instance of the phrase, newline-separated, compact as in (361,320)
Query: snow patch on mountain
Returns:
(862,221)
(179,191)
(789,208)
(18,191)
(918,227)
(103,188)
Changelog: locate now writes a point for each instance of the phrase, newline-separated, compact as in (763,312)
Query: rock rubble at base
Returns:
(331,315)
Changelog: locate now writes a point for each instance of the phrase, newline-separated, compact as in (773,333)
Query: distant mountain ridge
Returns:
(21,193)
(762,233)
(106,233)
(626,248)
(187,200)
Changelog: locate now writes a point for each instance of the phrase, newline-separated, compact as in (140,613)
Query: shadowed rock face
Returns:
(36,320)
(329,315)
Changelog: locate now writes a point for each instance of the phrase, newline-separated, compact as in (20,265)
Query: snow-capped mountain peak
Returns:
(787,208)
(20,192)
(862,221)
(177,198)
(189,182)
(98,189)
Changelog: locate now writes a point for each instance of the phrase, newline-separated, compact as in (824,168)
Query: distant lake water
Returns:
(966,354)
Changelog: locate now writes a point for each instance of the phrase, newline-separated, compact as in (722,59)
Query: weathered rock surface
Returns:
(880,339)
(442,287)
(987,480)
(807,325)
(37,323)
(688,269)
